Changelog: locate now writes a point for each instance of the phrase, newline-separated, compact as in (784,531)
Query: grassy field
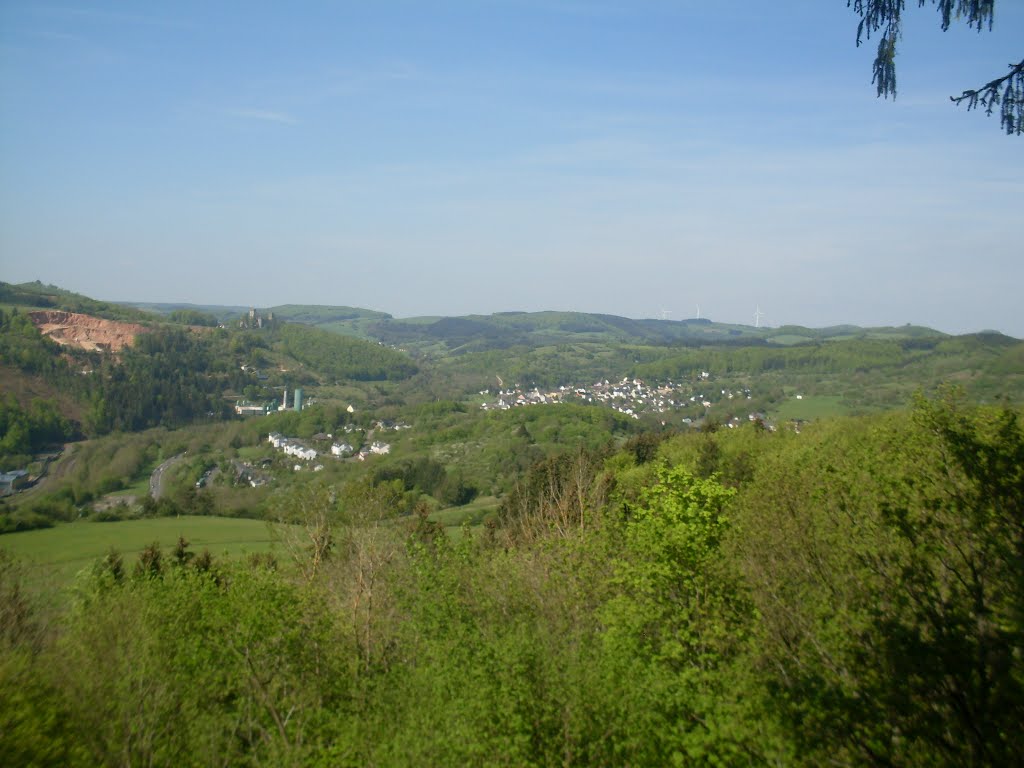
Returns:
(60,552)
(474,513)
(251,452)
(790,339)
(811,407)
(139,487)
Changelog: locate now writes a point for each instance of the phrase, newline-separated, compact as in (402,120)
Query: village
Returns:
(632,397)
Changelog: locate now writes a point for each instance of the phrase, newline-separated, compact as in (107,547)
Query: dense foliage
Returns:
(343,357)
(832,356)
(851,595)
(35,423)
(167,378)
(25,431)
(192,317)
(24,348)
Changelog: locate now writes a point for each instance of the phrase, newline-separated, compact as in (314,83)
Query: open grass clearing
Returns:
(811,407)
(60,552)
(789,339)
(138,488)
(474,512)
(253,452)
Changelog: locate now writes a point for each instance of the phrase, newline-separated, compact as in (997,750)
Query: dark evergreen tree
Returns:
(886,16)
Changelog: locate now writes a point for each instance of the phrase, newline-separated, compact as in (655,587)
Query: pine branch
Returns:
(1006,92)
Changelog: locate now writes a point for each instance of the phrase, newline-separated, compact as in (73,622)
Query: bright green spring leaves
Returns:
(886,561)
(854,597)
(666,593)
(674,625)
(189,667)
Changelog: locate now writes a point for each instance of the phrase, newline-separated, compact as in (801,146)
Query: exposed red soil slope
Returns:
(85,331)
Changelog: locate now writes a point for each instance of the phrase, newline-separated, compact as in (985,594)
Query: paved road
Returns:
(156,480)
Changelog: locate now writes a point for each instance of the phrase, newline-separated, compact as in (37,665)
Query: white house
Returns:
(300,452)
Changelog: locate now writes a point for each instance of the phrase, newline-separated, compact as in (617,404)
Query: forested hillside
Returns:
(40,296)
(342,357)
(441,336)
(473,333)
(848,595)
(725,572)
(175,377)
(168,377)
(30,363)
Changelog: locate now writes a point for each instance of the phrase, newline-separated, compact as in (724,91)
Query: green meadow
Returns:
(62,551)
(474,513)
(811,407)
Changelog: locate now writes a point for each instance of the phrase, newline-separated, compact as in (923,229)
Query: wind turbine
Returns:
(757,316)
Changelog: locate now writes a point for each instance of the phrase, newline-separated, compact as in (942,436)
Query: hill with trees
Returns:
(37,295)
(342,357)
(794,546)
(501,330)
(849,594)
(180,370)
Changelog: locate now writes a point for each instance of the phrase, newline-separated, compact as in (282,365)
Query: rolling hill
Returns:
(446,335)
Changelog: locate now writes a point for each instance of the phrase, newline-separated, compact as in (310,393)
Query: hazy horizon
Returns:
(384,310)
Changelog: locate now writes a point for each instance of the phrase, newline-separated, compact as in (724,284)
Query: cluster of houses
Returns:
(247,474)
(376,447)
(344,450)
(631,397)
(387,424)
(755,417)
(291,446)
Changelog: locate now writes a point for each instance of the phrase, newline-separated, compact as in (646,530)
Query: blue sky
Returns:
(458,157)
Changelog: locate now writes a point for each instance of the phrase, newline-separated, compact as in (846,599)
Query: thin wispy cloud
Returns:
(617,147)
(263,115)
(316,88)
(62,37)
(95,14)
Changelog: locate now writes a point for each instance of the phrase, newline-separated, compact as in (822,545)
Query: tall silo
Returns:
(298,398)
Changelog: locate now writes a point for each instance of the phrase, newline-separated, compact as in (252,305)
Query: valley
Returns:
(511,384)
(605,524)
(476,399)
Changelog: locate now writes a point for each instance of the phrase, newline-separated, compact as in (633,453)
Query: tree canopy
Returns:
(1004,93)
